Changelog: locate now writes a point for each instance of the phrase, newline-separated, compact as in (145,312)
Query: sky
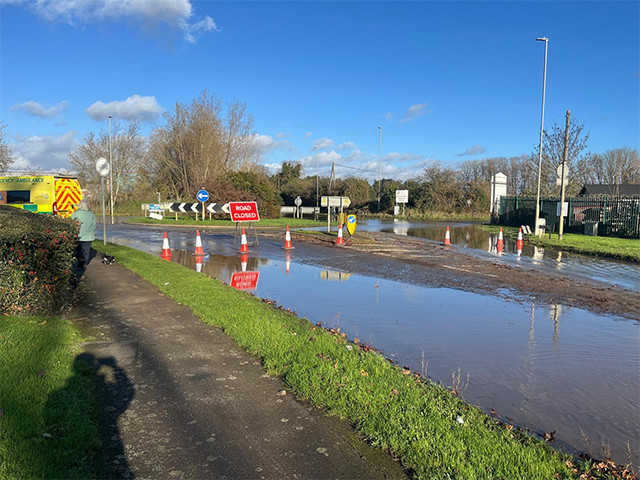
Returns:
(364,85)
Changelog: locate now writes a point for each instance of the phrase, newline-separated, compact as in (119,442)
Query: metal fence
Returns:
(615,216)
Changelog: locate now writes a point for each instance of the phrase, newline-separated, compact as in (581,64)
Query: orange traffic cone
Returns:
(287,240)
(166,253)
(340,240)
(519,242)
(287,261)
(244,259)
(244,247)
(447,237)
(199,249)
(199,263)
(500,244)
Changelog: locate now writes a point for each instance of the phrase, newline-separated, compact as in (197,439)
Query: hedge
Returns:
(36,262)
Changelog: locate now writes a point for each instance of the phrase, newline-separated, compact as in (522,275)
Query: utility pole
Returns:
(110,173)
(379,166)
(563,174)
(317,185)
(544,88)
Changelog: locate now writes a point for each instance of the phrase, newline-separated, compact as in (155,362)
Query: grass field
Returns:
(48,424)
(191,221)
(620,248)
(432,431)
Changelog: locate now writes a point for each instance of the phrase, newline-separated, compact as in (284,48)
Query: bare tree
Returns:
(6,158)
(615,167)
(240,149)
(128,152)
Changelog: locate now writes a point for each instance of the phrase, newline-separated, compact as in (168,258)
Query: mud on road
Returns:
(428,263)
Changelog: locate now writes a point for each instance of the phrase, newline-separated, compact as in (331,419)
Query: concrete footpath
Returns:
(179,399)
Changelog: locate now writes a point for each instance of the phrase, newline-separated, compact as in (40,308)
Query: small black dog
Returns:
(108,259)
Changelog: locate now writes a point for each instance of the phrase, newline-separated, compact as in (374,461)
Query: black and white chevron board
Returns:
(197,207)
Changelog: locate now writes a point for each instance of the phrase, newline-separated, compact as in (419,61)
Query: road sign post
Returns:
(102,167)
(202,196)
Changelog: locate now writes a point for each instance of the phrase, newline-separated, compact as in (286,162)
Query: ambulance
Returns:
(51,194)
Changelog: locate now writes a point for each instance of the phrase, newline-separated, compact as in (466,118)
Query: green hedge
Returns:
(36,259)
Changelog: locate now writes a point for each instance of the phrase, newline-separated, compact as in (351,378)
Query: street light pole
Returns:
(317,184)
(379,165)
(544,87)
(110,174)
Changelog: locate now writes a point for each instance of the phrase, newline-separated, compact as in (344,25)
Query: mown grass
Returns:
(433,432)
(265,222)
(621,248)
(48,424)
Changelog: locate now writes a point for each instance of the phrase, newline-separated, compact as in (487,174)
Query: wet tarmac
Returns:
(545,367)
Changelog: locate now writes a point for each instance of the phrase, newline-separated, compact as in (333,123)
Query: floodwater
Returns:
(478,241)
(540,366)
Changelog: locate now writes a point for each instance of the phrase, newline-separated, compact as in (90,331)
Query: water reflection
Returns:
(552,367)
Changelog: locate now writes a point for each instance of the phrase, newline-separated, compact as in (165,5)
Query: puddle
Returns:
(547,367)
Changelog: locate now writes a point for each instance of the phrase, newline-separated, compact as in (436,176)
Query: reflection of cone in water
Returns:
(199,263)
(500,244)
(287,261)
(199,249)
(287,240)
(340,240)
(244,247)
(244,259)
(519,242)
(166,253)
(447,237)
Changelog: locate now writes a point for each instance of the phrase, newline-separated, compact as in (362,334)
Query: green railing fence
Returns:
(615,216)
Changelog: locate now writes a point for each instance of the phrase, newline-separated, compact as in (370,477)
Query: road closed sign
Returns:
(245,280)
(244,211)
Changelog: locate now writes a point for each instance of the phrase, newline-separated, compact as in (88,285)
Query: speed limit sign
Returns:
(102,166)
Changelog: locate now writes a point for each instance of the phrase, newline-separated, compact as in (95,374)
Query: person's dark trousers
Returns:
(82,254)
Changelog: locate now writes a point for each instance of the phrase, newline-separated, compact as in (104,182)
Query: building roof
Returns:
(626,190)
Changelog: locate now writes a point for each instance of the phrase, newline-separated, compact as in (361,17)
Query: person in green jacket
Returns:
(87,232)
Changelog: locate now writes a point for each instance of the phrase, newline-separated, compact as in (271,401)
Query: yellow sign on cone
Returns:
(351,224)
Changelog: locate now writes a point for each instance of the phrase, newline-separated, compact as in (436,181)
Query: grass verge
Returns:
(621,248)
(48,425)
(265,222)
(433,432)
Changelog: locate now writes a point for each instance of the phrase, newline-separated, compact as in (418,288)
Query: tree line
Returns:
(213,144)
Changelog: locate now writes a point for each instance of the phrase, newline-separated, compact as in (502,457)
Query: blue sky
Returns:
(446,81)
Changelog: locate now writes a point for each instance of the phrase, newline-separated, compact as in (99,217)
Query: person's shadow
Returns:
(103,386)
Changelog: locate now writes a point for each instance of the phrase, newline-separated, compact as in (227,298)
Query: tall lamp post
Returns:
(110,174)
(317,185)
(379,165)
(544,87)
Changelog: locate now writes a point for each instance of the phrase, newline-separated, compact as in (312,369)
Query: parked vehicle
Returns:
(49,194)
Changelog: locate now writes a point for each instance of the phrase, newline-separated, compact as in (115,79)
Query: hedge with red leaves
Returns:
(36,259)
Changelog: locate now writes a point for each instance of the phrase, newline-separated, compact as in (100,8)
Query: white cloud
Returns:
(307,135)
(175,13)
(388,116)
(136,106)
(267,143)
(43,152)
(38,110)
(414,112)
(323,143)
(346,146)
(475,150)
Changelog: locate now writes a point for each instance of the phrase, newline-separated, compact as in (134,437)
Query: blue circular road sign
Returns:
(202,195)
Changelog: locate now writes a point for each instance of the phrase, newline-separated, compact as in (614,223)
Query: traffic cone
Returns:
(287,240)
(244,259)
(519,242)
(500,244)
(287,261)
(244,247)
(199,249)
(447,238)
(199,263)
(166,253)
(340,240)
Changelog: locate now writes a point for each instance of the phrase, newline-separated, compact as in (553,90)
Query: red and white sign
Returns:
(244,211)
(245,280)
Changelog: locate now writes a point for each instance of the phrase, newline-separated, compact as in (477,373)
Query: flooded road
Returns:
(546,367)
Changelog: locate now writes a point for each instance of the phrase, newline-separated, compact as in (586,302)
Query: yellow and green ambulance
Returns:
(52,194)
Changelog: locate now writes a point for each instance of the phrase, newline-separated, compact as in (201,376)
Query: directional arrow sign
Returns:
(202,196)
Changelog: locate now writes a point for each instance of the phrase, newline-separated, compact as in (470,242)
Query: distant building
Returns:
(616,190)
